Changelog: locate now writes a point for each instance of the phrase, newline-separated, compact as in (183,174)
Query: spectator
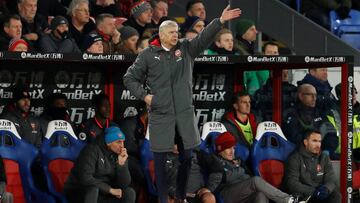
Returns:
(160,9)
(51,8)
(318,78)
(239,121)
(93,43)
(237,185)
(196,8)
(26,124)
(98,7)
(100,173)
(224,44)
(308,172)
(56,109)
(318,11)
(304,116)
(271,49)
(105,27)
(95,126)
(80,23)
(5,197)
(141,14)
(11,30)
(142,44)
(59,39)
(129,38)
(192,23)
(18,45)
(245,36)
(190,34)
(33,25)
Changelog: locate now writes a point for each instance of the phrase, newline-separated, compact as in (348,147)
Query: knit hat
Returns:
(139,8)
(58,20)
(90,39)
(14,42)
(189,23)
(224,141)
(127,32)
(113,134)
(20,92)
(242,26)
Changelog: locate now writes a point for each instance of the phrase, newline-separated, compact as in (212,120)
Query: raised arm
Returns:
(207,36)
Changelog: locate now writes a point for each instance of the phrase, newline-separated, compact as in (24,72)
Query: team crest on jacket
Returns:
(318,168)
(33,126)
(178,53)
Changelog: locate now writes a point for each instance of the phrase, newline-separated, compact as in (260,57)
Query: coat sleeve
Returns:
(205,38)
(123,177)
(46,44)
(135,75)
(329,176)
(87,169)
(213,167)
(292,178)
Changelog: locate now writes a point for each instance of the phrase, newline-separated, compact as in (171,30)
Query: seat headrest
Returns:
(268,126)
(6,125)
(212,126)
(59,125)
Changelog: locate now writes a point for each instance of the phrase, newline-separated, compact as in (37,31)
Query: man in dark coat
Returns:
(168,67)
(19,113)
(11,29)
(308,172)
(101,172)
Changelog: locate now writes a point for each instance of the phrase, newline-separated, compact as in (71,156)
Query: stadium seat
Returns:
(18,157)
(147,164)
(59,151)
(270,149)
(338,25)
(209,133)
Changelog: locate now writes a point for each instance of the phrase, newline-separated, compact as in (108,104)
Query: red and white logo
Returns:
(178,53)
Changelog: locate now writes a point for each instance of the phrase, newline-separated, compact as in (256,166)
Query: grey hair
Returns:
(166,24)
(22,1)
(74,5)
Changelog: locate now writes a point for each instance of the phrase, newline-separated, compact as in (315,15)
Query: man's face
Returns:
(198,9)
(169,36)
(243,105)
(190,35)
(23,105)
(271,50)
(285,75)
(81,13)
(28,9)
(21,48)
(104,108)
(62,28)
(228,154)
(160,10)
(116,146)
(313,143)
(59,103)
(107,26)
(199,26)
(308,96)
(320,74)
(250,34)
(14,29)
(226,41)
(145,17)
(96,48)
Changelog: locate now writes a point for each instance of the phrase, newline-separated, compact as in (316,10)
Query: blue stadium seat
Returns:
(269,151)
(209,133)
(147,164)
(339,27)
(59,151)
(18,157)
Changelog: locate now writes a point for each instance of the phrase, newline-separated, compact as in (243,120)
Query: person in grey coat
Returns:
(100,173)
(58,40)
(308,172)
(168,64)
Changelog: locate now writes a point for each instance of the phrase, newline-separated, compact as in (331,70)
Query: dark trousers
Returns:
(162,182)
(335,197)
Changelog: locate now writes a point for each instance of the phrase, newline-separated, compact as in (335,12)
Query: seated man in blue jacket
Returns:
(237,185)
(101,172)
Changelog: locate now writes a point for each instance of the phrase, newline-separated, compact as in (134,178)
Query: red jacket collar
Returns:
(156,42)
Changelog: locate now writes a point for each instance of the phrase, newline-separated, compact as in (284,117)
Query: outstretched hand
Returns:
(228,14)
